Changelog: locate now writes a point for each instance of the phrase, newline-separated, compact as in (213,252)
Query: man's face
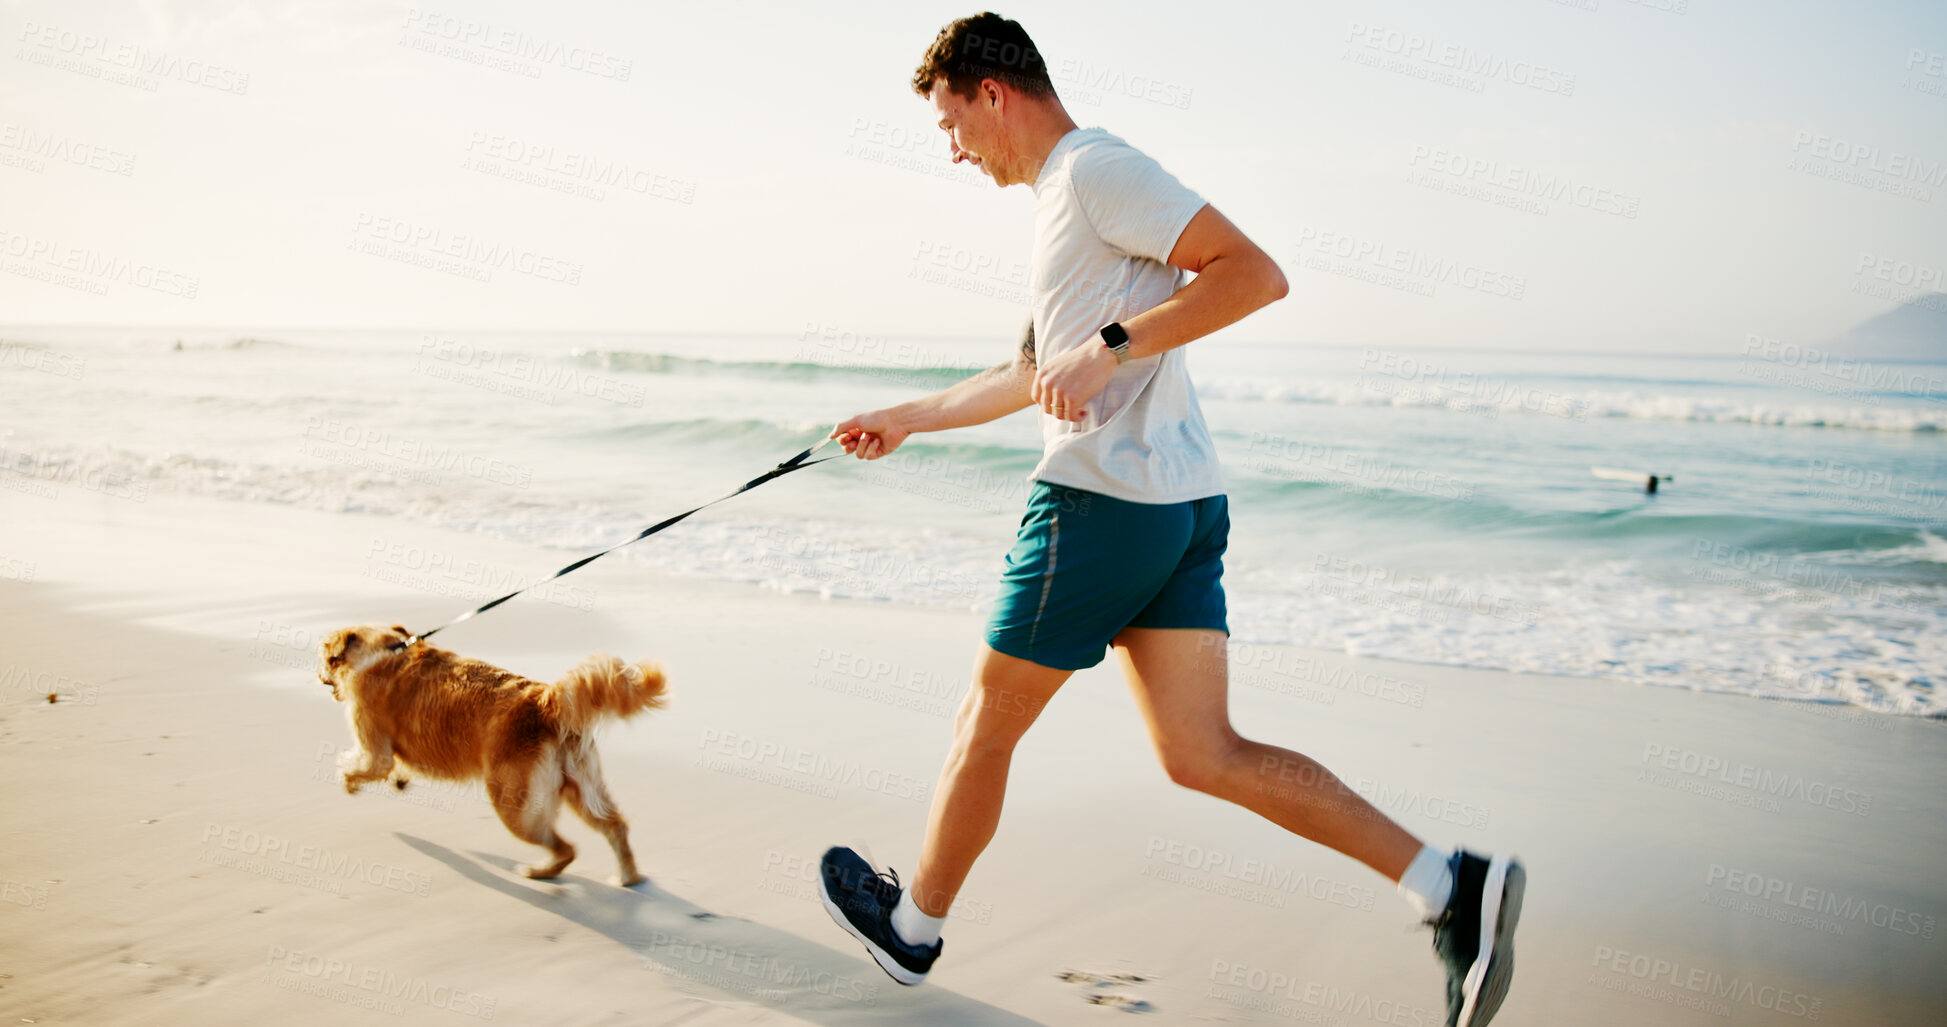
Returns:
(974,129)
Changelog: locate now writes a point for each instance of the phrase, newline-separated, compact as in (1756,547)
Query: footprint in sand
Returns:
(1122,1002)
(1097,996)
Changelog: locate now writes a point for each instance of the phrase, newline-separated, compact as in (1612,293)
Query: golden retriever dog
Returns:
(420,710)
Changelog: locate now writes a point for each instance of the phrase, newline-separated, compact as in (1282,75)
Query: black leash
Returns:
(796,463)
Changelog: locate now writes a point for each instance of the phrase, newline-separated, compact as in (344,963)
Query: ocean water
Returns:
(1426,505)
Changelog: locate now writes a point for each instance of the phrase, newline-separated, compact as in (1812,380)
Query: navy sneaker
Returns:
(861,900)
(1474,935)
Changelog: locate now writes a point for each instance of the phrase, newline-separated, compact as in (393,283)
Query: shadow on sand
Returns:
(746,961)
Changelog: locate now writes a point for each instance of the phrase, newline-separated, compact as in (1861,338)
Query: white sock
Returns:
(913,926)
(1427,882)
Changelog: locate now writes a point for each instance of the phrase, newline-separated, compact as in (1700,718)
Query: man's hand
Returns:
(1067,383)
(870,436)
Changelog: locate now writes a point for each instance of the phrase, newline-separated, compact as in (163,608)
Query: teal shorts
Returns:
(1088,565)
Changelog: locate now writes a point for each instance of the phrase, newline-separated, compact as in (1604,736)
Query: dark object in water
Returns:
(1615,474)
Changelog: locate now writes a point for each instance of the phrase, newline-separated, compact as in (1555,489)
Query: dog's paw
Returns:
(541,873)
(628,881)
(352,784)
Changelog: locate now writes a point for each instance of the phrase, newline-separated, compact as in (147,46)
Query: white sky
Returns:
(1718,122)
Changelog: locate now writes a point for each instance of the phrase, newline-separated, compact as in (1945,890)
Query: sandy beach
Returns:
(178,849)
(1573,377)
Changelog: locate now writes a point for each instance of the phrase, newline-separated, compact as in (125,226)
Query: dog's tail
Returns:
(602,686)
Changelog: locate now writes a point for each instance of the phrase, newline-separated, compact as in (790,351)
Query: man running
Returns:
(1121,547)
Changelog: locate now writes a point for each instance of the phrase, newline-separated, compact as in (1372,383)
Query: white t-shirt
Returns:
(1105,220)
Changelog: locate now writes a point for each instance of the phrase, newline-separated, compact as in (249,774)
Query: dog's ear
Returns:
(401,629)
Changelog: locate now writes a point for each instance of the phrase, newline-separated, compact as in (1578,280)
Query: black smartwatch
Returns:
(1114,337)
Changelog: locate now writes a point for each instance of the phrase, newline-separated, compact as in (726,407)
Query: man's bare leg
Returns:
(1181,681)
(1473,903)
(1006,696)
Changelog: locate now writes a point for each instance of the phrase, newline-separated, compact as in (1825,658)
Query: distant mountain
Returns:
(1915,330)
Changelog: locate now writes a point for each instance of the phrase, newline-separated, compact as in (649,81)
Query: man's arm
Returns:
(994,393)
(1234,278)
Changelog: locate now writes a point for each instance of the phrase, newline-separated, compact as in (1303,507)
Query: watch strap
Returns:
(1116,338)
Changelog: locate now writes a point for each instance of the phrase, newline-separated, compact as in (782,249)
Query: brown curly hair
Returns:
(984,46)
